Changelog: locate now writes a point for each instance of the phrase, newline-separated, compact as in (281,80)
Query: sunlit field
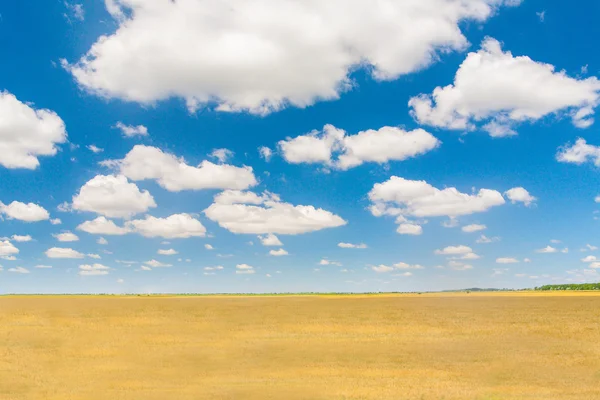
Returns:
(443,346)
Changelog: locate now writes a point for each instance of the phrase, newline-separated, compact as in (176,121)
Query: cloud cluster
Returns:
(261,57)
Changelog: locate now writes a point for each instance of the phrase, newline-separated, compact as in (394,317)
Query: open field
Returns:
(381,347)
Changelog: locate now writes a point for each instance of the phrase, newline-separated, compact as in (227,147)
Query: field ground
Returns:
(486,346)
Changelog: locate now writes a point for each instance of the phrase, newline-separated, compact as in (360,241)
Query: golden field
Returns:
(484,346)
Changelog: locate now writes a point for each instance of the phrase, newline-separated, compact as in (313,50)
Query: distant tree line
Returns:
(571,286)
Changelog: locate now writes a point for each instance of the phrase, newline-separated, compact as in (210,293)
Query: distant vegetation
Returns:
(571,286)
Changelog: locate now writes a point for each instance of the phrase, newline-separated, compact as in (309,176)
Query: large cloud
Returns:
(173,174)
(405,198)
(334,148)
(112,196)
(28,212)
(27,133)
(261,55)
(242,213)
(496,90)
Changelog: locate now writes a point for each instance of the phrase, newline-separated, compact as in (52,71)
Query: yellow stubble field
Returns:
(484,346)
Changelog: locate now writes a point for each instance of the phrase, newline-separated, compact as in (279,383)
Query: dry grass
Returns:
(452,347)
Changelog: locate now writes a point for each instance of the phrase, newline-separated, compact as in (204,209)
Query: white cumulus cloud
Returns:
(495,90)
(27,133)
(520,195)
(176,226)
(102,226)
(270,240)
(112,196)
(334,148)
(507,260)
(58,252)
(267,214)
(174,174)
(278,253)
(93,269)
(66,237)
(473,228)
(28,212)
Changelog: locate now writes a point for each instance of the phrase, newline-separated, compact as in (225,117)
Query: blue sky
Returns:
(113,112)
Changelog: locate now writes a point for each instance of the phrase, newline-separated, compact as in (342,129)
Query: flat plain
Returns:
(452,346)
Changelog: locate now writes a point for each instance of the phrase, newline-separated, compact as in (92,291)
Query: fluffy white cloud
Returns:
(174,174)
(66,237)
(55,221)
(352,246)
(58,252)
(222,154)
(157,264)
(169,252)
(265,153)
(21,238)
(131,130)
(208,247)
(547,249)
(459,266)
(520,195)
(217,268)
(112,196)
(19,270)
(102,226)
(334,148)
(589,259)
(176,226)
(94,269)
(410,229)
(506,260)
(420,199)
(268,214)
(579,153)
(27,133)
(473,228)
(278,253)
(244,269)
(7,248)
(405,198)
(270,240)
(102,241)
(261,56)
(94,256)
(495,89)
(28,212)
(453,250)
